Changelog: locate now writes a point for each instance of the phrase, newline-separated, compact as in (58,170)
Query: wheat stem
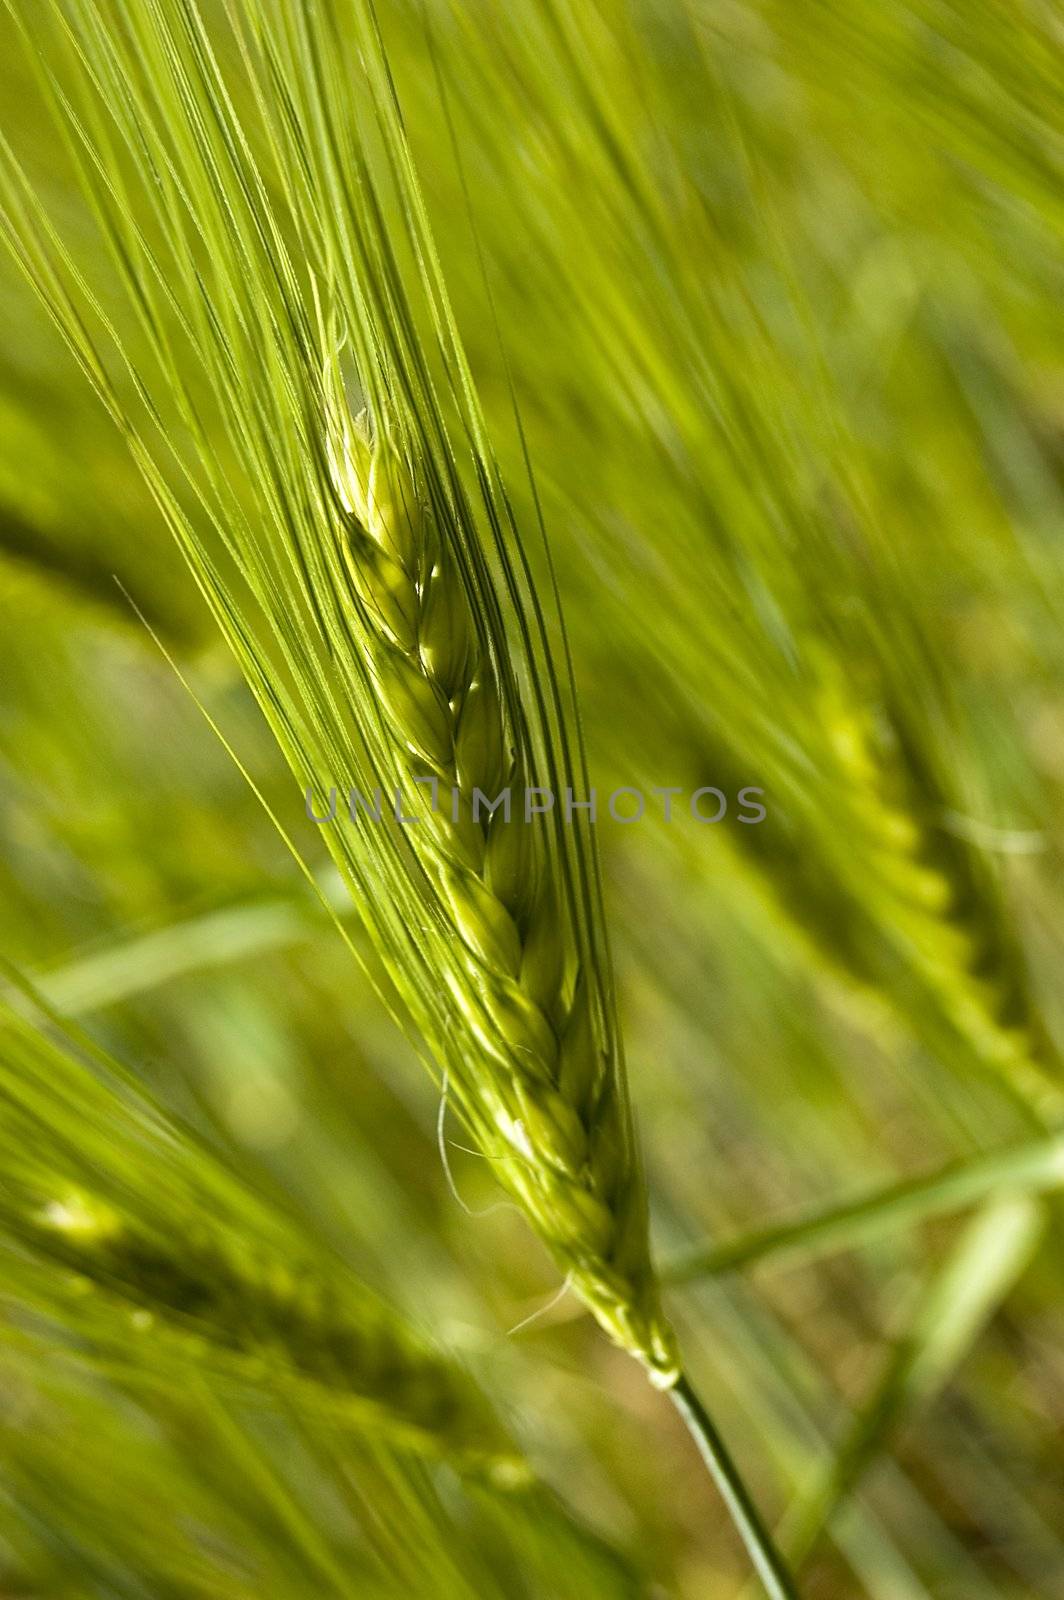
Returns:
(768,1562)
(1032,1166)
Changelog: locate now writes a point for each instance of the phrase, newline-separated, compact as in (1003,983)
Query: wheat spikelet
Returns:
(539,1080)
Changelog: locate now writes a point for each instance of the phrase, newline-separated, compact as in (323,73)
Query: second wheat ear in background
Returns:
(114,1215)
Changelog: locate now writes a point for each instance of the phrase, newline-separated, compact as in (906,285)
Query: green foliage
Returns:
(753,311)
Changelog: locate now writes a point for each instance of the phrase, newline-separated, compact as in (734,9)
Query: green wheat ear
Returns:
(538,1088)
(361,601)
(105,1186)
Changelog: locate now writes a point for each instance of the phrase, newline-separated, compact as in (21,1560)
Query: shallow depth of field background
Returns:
(777,288)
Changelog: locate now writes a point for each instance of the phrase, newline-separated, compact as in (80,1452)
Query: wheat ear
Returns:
(105,1185)
(939,905)
(539,1080)
(278,1319)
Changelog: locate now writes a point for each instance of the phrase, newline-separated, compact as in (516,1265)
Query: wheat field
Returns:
(532,731)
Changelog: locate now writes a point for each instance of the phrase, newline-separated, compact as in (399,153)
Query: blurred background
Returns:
(770,294)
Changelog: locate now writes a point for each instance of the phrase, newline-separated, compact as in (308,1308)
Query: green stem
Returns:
(1029,1167)
(778,1583)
